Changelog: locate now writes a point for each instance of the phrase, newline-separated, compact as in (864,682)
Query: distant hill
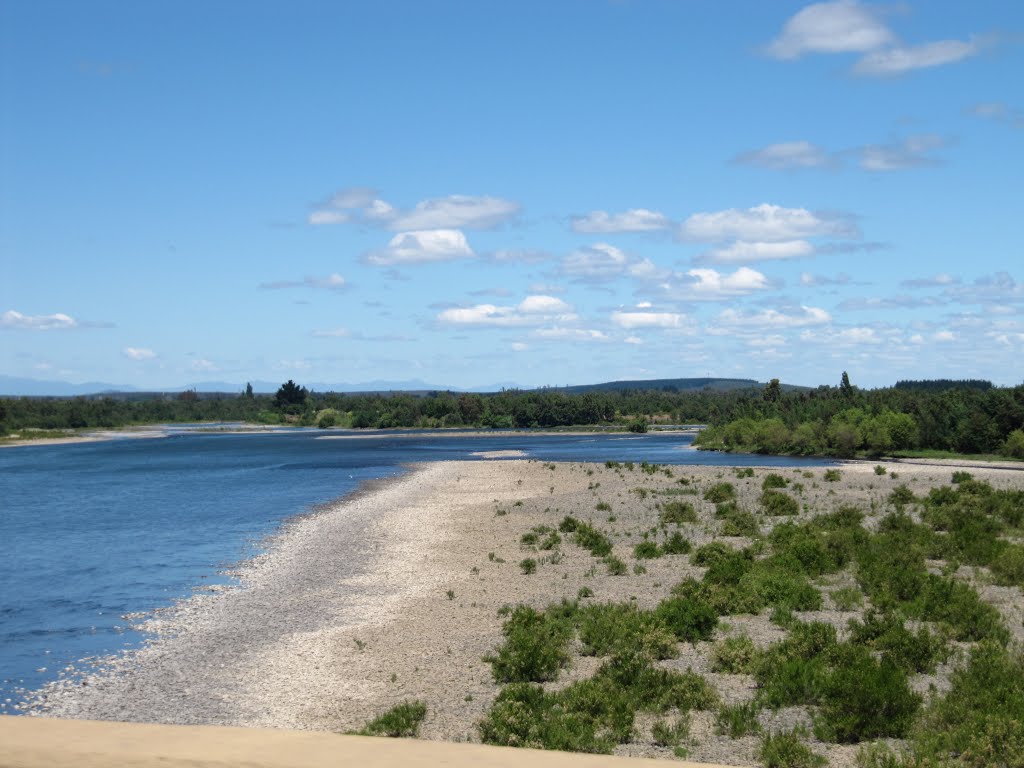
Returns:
(667,385)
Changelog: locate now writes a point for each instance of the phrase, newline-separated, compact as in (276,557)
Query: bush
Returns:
(736,521)
(720,492)
(738,720)
(589,538)
(676,544)
(880,470)
(536,647)
(402,721)
(610,628)
(689,620)
(528,565)
(735,656)
(1008,566)
(677,512)
(787,750)
(961,477)
(847,599)
(777,503)
(886,633)
(647,550)
(774,481)
(901,496)
(863,698)
(1014,445)
(615,566)
(667,734)
(833,475)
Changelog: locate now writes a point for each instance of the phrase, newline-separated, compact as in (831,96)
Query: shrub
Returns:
(961,477)
(399,721)
(738,720)
(676,544)
(647,550)
(847,598)
(677,512)
(688,619)
(885,632)
(619,627)
(777,503)
(863,698)
(603,506)
(669,734)
(735,655)
(615,566)
(711,553)
(833,475)
(786,749)
(720,492)
(528,565)
(1014,445)
(1008,566)
(736,521)
(901,496)
(588,537)
(880,470)
(536,647)
(774,481)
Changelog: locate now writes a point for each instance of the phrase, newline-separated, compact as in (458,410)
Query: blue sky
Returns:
(531,193)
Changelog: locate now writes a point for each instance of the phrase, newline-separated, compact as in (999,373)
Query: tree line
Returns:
(843,420)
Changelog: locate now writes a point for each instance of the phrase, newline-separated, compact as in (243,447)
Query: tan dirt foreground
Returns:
(45,743)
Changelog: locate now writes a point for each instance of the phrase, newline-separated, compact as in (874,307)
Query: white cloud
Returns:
(571,334)
(847,26)
(456,212)
(138,353)
(204,365)
(533,310)
(59,321)
(633,220)
(896,61)
(941,280)
(334,333)
(631,320)
(912,152)
(633,340)
(772,318)
(813,281)
(421,247)
(768,342)
(945,336)
(847,337)
(843,26)
(450,212)
(711,285)
(743,251)
(764,223)
(519,256)
(518,346)
(787,155)
(332,282)
(596,262)
(998,111)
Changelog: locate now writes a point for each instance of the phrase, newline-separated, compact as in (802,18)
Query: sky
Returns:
(516,193)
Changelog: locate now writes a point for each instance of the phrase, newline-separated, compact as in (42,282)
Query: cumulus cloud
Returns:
(941,280)
(843,26)
(332,282)
(787,155)
(518,256)
(419,247)
(990,289)
(597,263)
(633,220)
(204,365)
(765,223)
(997,111)
(742,251)
(17,321)
(138,353)
(631,320)
(809,280)
(450,212)
(519,346)
(711,285)
(912,152)
(533,310)
(773,318)
(889,302)
(332,333)
(846,337)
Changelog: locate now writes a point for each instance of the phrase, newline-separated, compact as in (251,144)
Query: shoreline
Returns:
(392,594)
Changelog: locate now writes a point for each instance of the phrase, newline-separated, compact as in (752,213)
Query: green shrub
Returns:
(536,647)
(961,477)
(603,506)
(528,565)
(671,734)
(1014,445)
(901,496)
(735,655)
(401,721)
(584,592)
(588,537)
(833,475)
(738,720)
(777,503)
(774,481)
(615,566)
(880,470)
(864,698)
(608,628)
(677,512)
(745,472)
(958,606)
(736,521)
(786,749)
(676,544)
(886,633)
(720,492)
(981,719)
(1008,566)
(689,620)
(647,550)
(847,598)
(711,553)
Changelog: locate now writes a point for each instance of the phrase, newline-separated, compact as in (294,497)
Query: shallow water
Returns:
(92,532)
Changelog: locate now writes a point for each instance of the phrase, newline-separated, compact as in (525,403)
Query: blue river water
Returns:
(90,532)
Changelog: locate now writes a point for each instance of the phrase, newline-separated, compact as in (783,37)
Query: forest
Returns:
(967,417)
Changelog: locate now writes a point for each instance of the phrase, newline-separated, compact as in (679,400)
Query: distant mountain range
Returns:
(12,386)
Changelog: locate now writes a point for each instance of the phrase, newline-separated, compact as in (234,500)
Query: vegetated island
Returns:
(934,419)
(859,615)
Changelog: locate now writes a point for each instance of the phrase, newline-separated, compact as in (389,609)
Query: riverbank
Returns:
(393,595)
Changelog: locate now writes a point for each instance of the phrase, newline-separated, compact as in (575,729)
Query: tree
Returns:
(772,391)
(290,397)
(845,387)
(248,390)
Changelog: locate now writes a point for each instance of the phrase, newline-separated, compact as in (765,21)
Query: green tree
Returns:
(290,397)
(845,387)
(773,391)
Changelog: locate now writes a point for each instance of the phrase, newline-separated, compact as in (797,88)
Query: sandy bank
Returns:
(26,743)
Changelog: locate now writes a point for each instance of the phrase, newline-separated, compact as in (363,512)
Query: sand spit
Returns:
(393,595)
